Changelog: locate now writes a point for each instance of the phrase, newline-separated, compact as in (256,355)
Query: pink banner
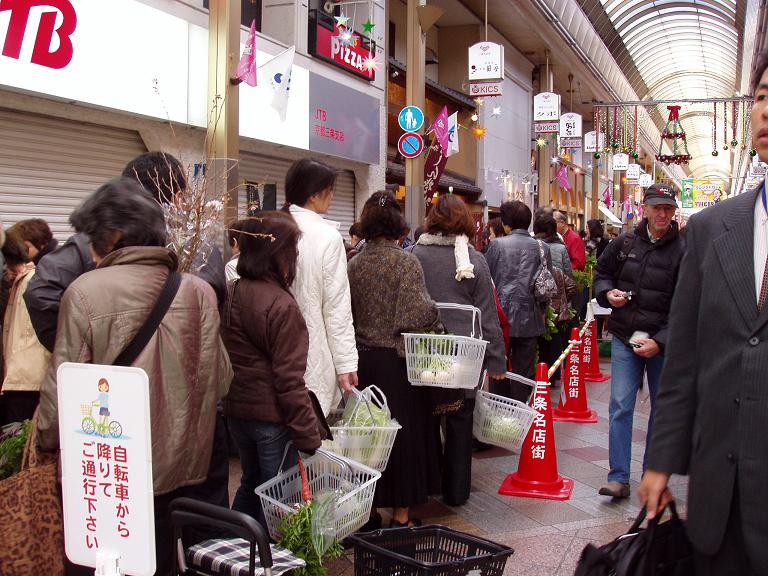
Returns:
(246,69)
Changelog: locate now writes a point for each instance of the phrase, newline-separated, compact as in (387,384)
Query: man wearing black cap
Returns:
(635,277)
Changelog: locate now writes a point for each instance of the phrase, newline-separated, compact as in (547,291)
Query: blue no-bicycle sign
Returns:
(410,145)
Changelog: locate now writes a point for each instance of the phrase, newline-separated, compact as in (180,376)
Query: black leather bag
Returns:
(660,549)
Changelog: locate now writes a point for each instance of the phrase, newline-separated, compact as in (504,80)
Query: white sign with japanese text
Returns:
(633,171)
(645,180)
(590,141)
(570,125)
(620,161)
(546,106)
(486,61)
(106,459)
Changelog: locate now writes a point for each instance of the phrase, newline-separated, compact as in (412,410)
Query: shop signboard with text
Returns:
(341,47)
(345,126)
(546,106)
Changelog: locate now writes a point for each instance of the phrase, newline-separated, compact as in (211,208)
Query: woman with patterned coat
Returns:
(389,297)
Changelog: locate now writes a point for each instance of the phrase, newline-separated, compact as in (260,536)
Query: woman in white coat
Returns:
(321,287)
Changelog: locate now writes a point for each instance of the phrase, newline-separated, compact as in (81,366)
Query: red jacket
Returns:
(576,251)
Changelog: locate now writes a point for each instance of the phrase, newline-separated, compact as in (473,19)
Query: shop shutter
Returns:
(49,165)
(262,170)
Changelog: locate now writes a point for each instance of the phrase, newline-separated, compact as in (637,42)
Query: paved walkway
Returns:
(547,536)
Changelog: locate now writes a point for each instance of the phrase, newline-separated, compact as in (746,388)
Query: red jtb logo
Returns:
(41,53)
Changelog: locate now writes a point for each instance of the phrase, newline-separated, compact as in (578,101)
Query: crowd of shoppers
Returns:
(271,341)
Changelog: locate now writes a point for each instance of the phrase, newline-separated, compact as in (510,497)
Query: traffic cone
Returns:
(573,394)
(536,475)
(590,354)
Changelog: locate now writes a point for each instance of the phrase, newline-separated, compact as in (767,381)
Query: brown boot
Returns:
(614,490)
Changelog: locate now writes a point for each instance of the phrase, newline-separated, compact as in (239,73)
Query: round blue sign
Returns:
(410,145)
(411,119)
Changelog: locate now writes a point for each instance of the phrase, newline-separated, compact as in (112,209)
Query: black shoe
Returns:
(412,523)
(478,446)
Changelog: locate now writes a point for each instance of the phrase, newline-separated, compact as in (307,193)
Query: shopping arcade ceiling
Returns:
(672,50)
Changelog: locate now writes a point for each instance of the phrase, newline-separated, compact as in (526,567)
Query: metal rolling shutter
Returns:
(49,165)
(266,169)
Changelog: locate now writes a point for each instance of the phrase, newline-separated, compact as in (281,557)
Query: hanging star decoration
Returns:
(496,111)
(341,21)
(347,39)
(371,63)
(541,142)
(368,26)
(478,132)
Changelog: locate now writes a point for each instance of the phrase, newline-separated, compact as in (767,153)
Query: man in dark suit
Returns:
(712,408)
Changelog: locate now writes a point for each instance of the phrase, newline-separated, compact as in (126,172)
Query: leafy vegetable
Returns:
(503,429)
(550,326)
(296,530)
(13,438)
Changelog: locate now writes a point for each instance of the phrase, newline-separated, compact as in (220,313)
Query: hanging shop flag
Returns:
(453,134)
(278,73)
(546,106)
(607,196)
(437,155)
(440,128)
(562,177)
(246,69)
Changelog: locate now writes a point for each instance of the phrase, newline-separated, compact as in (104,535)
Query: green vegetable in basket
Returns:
(296,530)
(504,429)
(13,438)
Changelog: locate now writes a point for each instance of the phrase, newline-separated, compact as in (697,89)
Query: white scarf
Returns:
(464,268)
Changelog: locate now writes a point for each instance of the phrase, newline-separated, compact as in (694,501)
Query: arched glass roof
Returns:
(684,50)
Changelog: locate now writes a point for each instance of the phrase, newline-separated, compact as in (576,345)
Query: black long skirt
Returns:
(405,482)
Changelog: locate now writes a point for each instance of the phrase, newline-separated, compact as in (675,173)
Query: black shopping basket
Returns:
(427,551)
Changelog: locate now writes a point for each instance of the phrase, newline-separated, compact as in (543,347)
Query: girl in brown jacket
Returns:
(268,403)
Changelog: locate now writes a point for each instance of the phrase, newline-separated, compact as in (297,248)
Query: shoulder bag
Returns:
(545,287)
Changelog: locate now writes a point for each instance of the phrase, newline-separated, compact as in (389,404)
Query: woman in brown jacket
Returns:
(388,298)
(268,403)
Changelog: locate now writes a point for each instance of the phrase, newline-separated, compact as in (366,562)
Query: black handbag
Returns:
(660,549)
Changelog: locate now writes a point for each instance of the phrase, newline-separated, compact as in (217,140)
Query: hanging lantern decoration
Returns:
(674,131)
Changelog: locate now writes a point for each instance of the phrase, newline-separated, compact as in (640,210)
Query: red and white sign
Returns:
(350,55)
(480,89)
(410,145)
(572,143)
(47,34)
(106,460)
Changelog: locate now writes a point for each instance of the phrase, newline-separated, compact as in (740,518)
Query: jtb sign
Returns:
(41,53)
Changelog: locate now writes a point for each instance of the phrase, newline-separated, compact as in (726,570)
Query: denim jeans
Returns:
(627,370)
(261,446)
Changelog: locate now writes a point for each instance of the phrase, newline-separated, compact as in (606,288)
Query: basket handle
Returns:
(378,395)
(508,376)
(475,312)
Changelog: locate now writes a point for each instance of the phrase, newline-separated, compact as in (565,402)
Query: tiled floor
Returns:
(547,535)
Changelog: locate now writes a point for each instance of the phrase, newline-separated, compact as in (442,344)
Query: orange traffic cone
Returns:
(536,475)
(590,353)
(573,396)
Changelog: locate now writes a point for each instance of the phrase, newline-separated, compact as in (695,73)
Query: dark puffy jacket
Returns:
(57,270)
(649,270)
(267,340)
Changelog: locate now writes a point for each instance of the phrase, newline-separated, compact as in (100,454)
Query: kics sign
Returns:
(350,53)
(54,28)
